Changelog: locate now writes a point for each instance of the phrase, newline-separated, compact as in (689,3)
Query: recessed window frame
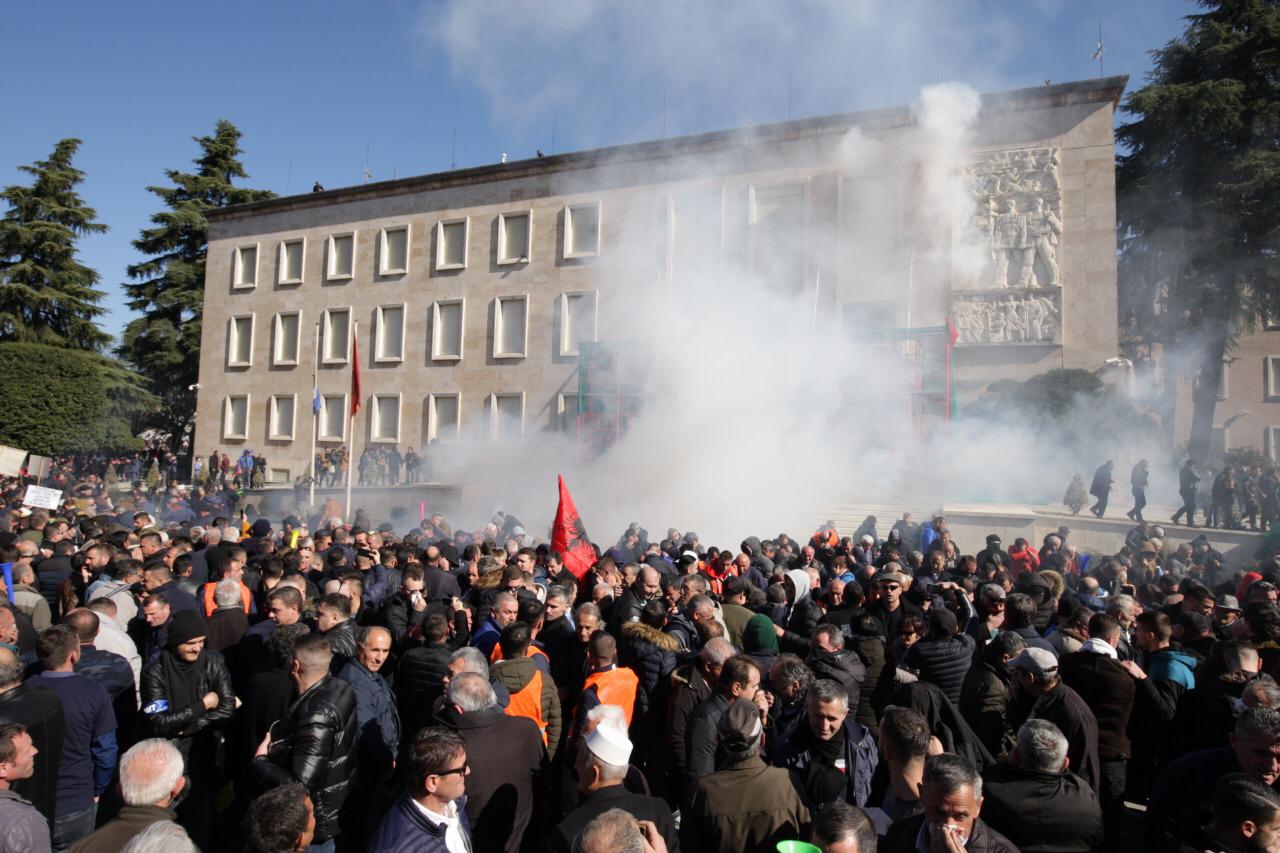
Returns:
(331,256)
(498,328)
(504,255)
(493,412)
(565,298)
(282,261)
(238,266)
(433,417)
(326,329)
(1271,442)
(383,269)
(436,336)
(570,230)
(441,263)
(233,340)
(379,328)
(765,188)
(1271,379)
(375,418)
(564,412)
(277,324)
(327,400)
(272,433)
(228,409)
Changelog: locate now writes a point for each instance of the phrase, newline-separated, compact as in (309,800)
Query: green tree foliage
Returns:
(59,400)
(46,295)
(167,289)
(1069,410)
(1199,196)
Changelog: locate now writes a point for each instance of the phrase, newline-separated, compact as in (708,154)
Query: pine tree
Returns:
(1198,197)
(46,294)
(168,288)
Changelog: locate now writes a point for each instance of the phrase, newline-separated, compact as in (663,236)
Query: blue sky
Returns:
(314,85)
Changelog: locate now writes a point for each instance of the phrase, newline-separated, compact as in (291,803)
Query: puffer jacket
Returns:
(184,725)
(871,651)
(651,654)
(943,662)
(843,667)
(314,744)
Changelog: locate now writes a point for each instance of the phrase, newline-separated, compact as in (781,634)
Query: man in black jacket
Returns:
(40,710)
(1041,694)
(314,743)
(1038,803)
(828,658)
(602,767)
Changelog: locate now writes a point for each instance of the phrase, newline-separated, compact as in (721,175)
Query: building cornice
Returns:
(1099,90)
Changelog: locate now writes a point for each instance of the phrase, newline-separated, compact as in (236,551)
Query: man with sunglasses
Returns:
(431,815)
(890,608)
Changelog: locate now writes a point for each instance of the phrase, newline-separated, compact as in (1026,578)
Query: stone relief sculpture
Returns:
(1010,318)
(1018,200)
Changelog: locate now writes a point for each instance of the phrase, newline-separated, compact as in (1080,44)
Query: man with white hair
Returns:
(228,622)
(504,754)
(151,778)
(1037,802)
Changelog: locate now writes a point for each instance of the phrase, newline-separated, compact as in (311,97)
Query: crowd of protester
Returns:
(176,676)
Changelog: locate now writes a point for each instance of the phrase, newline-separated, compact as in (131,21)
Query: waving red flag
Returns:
(355,374)
(569,537)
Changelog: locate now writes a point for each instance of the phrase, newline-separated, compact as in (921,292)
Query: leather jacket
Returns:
(314,744)
(185,724)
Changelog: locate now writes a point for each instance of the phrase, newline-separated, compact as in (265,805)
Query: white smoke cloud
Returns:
(759,409)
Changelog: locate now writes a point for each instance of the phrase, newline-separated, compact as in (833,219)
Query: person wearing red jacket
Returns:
(1023,558)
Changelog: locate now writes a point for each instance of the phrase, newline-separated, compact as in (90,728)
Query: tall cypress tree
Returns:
(1198,197)
(168,288)
(46,294)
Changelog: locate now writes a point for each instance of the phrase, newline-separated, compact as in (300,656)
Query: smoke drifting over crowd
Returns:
(761,404)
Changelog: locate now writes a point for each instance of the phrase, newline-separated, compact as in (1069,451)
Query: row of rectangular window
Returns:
(1270,379)
(504,414)
(453,237)
(579,320)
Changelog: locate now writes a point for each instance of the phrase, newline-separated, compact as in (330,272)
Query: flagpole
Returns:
(351,412)
(315,420)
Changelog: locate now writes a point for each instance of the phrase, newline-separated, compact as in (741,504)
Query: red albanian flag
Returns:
(569,537)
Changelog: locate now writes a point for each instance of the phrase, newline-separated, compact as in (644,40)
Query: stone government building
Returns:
(475,289)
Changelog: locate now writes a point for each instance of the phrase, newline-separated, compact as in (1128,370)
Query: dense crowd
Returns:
(177,675)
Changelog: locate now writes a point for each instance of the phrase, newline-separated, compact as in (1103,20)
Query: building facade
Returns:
(476,291)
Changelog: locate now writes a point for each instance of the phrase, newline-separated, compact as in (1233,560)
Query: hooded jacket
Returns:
(1108,690)
(516,674)
(1173,665)
(803,616)
(984,704)
(843,667)
(651,654)
(688,690)
(745,807)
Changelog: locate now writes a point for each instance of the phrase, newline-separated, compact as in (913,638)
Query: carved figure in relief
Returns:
(1042,232)
(1010,319)
(1008,240)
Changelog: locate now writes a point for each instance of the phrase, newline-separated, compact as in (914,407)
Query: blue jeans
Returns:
(70,828)
(326,847)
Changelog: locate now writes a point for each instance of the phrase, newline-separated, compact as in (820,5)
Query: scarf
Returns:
(182,682)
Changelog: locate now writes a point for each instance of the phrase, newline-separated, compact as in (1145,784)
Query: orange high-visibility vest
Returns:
(496,654)
(210,605)
(615,686)
(528,703)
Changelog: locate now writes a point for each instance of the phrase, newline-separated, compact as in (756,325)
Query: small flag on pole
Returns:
(355,374)
(1097,54)
(315,400)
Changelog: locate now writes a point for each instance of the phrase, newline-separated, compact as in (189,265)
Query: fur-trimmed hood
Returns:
(638,632)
